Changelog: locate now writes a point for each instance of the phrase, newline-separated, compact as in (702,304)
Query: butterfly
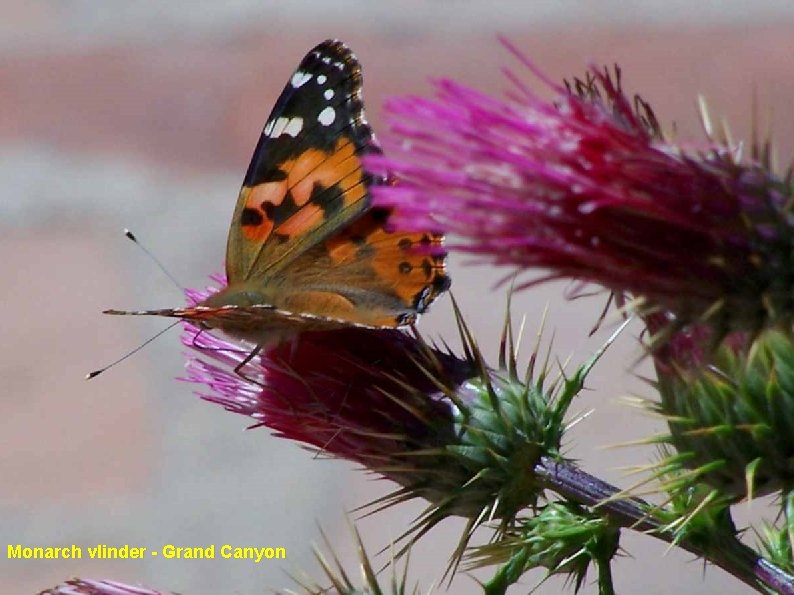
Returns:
(306,249)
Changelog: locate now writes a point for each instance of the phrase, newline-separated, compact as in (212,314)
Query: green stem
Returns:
(605,584)
(788,511)
(505,576)
(732,556)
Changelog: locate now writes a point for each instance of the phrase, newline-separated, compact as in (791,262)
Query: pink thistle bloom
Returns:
(355,393)
(465,437)
(371,396)
(78,586)
(586,187)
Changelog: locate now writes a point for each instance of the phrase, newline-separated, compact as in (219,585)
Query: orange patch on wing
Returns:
(321,303)
(405,267)
(272,192)
(259,228)
(345,245)
(334,306)
(303,221)
(340,167)
(341,249)
(304,172)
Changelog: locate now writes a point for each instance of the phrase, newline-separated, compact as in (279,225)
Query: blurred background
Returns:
(143,115)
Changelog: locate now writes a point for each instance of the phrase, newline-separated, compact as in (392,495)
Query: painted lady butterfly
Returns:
(306,251)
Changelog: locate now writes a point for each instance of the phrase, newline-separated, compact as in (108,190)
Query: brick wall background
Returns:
(117,114)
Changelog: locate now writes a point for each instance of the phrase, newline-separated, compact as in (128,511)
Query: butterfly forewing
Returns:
(305,179)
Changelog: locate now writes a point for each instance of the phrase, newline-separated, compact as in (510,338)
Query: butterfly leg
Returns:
(194,344)
(238,369)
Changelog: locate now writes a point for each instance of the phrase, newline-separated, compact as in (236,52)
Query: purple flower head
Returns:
(371,396)
(451,430)
(78,586)
(586,187)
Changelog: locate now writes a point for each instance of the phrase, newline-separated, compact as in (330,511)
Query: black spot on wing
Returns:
(269,209)
(328,198)
(280,213)
(272,175)
(251,217)
(379,215)
(442,283)
(427,268)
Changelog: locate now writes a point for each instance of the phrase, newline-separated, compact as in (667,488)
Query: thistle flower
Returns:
(465,437)
(373,397)
(586,187)
(79,586)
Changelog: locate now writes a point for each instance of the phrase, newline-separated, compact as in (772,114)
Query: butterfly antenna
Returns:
(131,236)
(96,373)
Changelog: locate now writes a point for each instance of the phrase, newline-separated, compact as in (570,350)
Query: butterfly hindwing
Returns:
(367,274)
(305,179)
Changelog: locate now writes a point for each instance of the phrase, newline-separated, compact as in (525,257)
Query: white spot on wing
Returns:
(278,127)
(328,94)
(294,126)
(282,125)
(327,116)
(300,78)
(321,79)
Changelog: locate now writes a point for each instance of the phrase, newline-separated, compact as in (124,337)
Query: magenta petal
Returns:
(586,187)
(360,394)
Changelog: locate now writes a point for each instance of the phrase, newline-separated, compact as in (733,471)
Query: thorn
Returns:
(705,117)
